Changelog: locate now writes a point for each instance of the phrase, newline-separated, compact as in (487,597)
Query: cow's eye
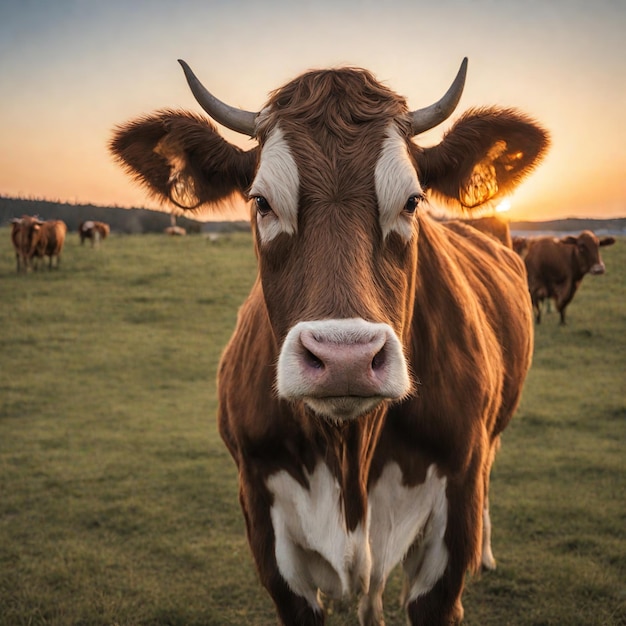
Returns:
(412,203)
(262,206)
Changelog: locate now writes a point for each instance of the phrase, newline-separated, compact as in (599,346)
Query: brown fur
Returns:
(458,302)
(48,239)
(491,225)
(556,267)
(521,245)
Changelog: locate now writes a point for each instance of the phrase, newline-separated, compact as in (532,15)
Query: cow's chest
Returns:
(314,550)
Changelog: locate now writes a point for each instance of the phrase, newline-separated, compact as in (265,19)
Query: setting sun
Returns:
(504,206)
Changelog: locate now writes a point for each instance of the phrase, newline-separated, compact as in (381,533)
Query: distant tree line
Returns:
(130,221)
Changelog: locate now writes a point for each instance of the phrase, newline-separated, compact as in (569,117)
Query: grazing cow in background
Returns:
(379,354)
(95,231)
(556,267)
(490,225)
(47,240)
(521,245)
(175,231)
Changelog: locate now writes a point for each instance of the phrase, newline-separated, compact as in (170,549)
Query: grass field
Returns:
(118,501)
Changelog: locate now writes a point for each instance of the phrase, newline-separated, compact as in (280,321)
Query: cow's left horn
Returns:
(430,116)
(236,119)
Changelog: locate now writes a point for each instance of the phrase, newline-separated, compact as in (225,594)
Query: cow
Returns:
(94,231)
(46,239)
(521,245)
(24,235)
(556,268)
(175,231)
(379,354)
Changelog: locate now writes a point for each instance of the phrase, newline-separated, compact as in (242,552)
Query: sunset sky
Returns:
(71,70)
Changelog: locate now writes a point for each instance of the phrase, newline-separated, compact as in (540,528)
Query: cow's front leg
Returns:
(292,609)
(436,568)
(488,561)
(371,605)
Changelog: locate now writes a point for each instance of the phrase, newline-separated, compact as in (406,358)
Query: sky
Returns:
(71,70)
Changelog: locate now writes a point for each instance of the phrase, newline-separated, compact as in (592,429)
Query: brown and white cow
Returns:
(94,231)
(379,354)
(556,267)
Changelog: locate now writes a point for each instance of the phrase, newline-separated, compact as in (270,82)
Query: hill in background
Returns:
(131,221)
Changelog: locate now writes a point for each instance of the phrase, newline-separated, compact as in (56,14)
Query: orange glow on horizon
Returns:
(504,206)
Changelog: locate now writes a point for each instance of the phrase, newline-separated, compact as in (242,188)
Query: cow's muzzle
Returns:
(598,268)
(342,368)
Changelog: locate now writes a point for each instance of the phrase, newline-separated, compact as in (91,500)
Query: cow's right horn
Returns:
(236,119)
(431,116)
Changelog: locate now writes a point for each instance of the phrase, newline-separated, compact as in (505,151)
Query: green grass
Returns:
(118,501)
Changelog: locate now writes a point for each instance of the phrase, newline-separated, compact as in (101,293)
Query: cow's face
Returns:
(334,204)
(588,251)
(335,187)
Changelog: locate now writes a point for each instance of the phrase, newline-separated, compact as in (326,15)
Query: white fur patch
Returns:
(404,518)
(396,181)
(277,180)
(313,547)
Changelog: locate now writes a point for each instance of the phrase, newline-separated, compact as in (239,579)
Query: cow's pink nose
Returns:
(342,367)
(352,366)
(598,268)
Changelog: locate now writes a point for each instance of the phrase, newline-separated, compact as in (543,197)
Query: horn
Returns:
(431,116)
(236,119)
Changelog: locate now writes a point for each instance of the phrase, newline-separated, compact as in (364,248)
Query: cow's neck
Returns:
(348,450)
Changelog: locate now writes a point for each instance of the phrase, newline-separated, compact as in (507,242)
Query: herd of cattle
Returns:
(34,239)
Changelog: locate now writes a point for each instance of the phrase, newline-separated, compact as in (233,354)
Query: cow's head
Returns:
(588,251)
(336,188)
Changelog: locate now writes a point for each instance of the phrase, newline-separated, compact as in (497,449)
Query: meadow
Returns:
(118,500)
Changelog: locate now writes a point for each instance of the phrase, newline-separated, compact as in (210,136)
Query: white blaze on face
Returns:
(396,181)
(277,180)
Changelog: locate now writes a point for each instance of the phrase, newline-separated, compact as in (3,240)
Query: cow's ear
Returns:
(607,241)
(569,239)
(182,158)
(483,157)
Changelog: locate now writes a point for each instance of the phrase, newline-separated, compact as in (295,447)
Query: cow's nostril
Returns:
(312,361)
(379,359)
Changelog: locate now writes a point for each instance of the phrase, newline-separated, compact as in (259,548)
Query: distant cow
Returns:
(490,225)
(95,231)
(521,245)
(556,267)
(175,231)
(47,240)
(379,354)
(24,237)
